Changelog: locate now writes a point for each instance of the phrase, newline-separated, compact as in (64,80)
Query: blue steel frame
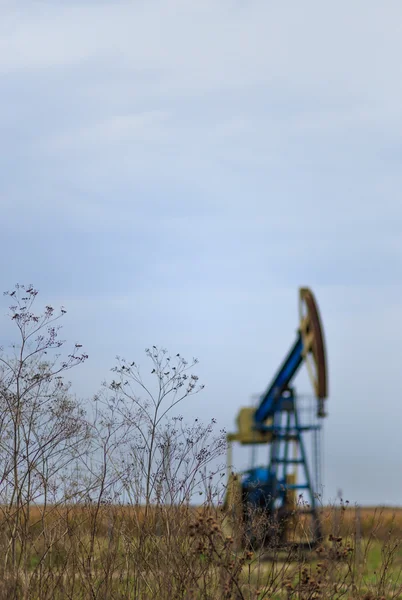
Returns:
(268,487)
(269,400)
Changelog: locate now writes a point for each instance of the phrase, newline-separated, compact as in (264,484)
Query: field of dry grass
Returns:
(369,520)
(364,521)
(188,552)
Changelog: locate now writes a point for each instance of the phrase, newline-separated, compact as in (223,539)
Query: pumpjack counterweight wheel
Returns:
(313,346)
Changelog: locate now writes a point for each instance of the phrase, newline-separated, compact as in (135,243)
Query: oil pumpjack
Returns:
(285,485)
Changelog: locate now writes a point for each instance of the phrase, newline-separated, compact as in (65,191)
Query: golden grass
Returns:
(380,522)
(187,553)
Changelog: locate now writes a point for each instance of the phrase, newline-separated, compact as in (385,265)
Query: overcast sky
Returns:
(172,171)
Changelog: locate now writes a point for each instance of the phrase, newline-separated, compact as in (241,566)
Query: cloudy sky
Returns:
(172,171)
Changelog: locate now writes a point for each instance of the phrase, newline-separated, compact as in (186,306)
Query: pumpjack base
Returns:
(280,532)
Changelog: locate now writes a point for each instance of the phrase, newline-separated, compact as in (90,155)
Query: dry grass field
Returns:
(185,552)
